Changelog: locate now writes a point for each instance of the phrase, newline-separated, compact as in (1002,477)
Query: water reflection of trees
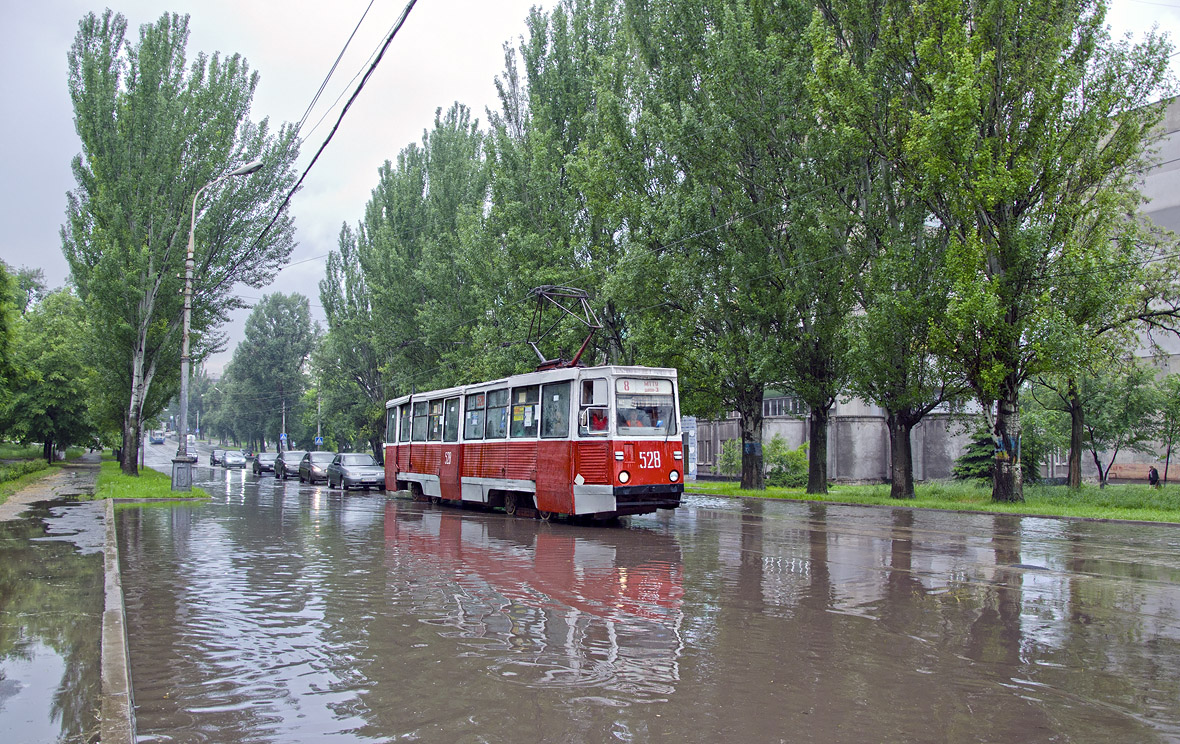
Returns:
(52,595)
(848,620)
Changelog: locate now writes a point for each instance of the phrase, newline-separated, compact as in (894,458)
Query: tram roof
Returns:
(541,376)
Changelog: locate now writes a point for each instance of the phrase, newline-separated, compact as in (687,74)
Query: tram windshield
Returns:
(644,407)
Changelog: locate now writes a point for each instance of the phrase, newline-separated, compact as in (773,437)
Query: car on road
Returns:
(287,464)
(265,462)
(314,466)
(217,457)
(156,437)
(233,459)
(355,470)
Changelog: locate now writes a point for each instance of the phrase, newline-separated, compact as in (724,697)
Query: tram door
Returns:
(449,465)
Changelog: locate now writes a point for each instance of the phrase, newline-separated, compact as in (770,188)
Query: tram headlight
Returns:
(674,476)
(624,476)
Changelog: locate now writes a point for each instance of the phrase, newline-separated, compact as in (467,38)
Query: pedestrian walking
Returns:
(1153,477)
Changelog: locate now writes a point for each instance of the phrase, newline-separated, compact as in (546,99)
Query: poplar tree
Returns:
(155,130)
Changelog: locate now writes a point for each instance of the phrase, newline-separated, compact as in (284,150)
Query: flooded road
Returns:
(51,603)
(283,613)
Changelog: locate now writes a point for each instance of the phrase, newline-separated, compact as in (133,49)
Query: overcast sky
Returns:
(448,50)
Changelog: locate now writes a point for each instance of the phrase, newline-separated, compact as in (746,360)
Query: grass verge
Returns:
(12,481)
(1127,502)
(150,484)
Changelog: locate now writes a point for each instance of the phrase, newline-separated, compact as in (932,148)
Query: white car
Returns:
(233,459)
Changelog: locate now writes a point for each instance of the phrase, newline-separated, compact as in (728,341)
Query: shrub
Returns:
(17,469)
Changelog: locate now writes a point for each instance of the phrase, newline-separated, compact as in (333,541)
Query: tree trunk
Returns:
(750,421)
(130,465)
(901,467)
(1007,479)
(47,452)
(1077,432)
(817,455)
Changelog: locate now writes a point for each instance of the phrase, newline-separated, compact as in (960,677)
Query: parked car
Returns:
(265,462)
(314,466)
(287,464)
(233,459)
(217,457)
(355,470)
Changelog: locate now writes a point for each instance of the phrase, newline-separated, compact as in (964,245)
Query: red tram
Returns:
(594,442)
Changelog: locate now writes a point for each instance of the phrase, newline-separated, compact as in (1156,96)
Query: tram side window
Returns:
(555,409)
(451,420)
(593,420)
(525,402)
(434,427)
(420,417)
(497,412)
(404,427)
(473,428)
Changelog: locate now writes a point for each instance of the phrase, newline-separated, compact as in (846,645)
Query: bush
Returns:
(17,469)
(977,460)
(730,462)
(783,466)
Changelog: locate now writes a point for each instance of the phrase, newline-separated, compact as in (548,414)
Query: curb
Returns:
(118,704)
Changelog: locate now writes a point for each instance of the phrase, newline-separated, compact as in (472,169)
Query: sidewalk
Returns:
(71,479)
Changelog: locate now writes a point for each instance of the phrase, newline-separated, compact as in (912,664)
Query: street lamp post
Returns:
(182,464)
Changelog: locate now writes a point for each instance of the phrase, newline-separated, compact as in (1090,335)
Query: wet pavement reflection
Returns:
(289,613)
(51,603)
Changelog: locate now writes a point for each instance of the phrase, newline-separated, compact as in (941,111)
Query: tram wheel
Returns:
(545,515)
(510,503)
(416,492)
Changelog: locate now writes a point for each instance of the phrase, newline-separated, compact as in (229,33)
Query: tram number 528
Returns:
(649,460)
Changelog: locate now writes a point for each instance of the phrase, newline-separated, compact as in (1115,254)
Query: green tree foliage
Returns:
(903,291)
(1122,405)
(739,243)
(348,362)
(1168,398)
(978,459)
(268,374)
(50,398)
(8,311)
(1024,129)
(408,248)
(153,134)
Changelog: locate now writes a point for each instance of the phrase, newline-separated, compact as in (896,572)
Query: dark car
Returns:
(314,466)
(355,470)
(217,457)
(233,459)
(287,464)
(265,462)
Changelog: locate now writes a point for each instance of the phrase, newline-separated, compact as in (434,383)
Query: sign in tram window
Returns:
(434,427)
(593,420)
(497,412)
(555,409)
(473,428)
(451,420)
(525,402)
(645,407)
(404,427)
(420,417)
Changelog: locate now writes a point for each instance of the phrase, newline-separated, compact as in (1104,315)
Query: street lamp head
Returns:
(247,169)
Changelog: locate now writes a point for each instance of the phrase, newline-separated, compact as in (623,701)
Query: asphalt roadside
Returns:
(72,480)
